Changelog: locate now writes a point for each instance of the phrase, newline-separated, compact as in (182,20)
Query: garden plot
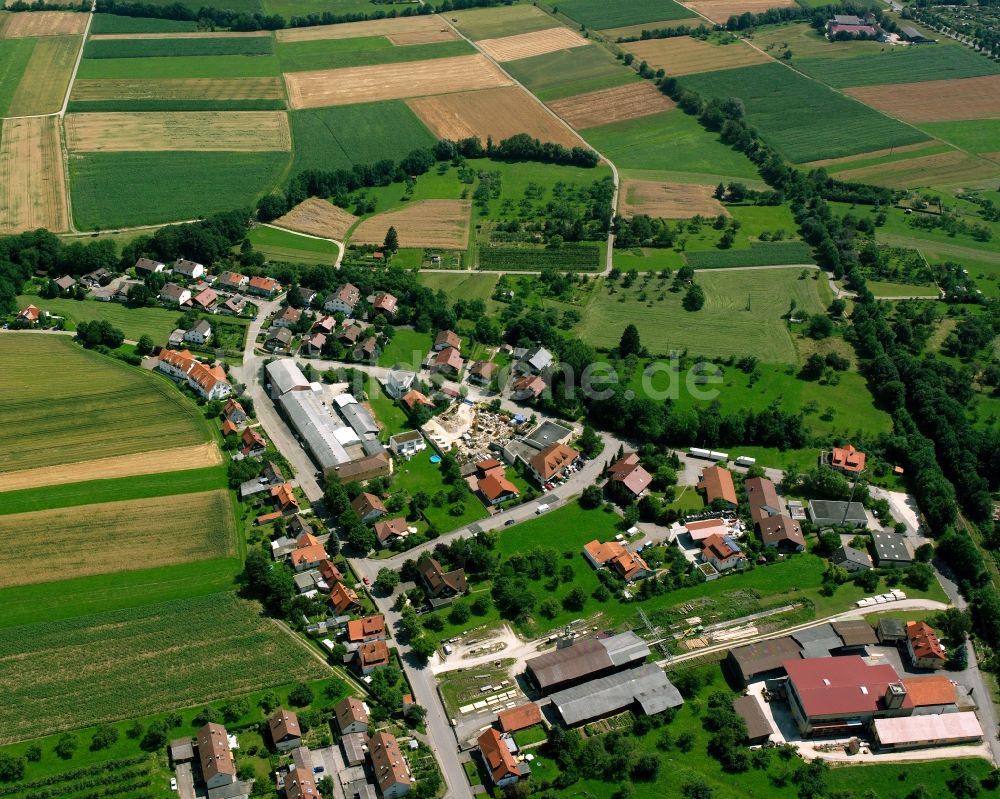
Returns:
(668,200)
(525,45)
(499,113)
(318,218)
(935,100)
(179,89)
(234,131)
(426,223)
(392,81)
(32,184)
(430,24)
(687,56)
(617,104)
(44,23)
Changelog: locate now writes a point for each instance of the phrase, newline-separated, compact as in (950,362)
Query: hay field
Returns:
(425,223)
(62,404)
(668,200)
(110,537)
(525,45)
(158,461)
(46,78)
(32,182)
(721,10)
(617,104)
(23,24)
(396,26)
(392,81)
(948,169)
(233,131)
(934,100)
(687,56)
(487,23)
(179,89)
(848,159)
(129,663)
(318,218)
(422,37)
(499,113)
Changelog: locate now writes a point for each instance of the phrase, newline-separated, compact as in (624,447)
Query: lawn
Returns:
(671,140)
(361,52)
(342,136)
(179,48)
(565,73)
(112,23)
(823,124)
(14,57)
(647,259)
(112,189)
(407,347)
(419,474)
(974,135)
(219,66)
(491,23)
(157,323)
(741,316)
(889,290)
(461,286)
(67,404)
(758,254)
(282,245)
(391,416)
(602,14)
(899,65)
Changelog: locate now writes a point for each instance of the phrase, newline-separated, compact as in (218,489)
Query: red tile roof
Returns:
(840,686)
(519,718)
(495,486)
(718,484)
(553,459)
(213,751)
(630,473)
(369,626)
(931,690)
(373,653)
(387,761)
(447,338)
(414,397)
(342,597)
(497,756)
(848,459)
(924,641)
(385,302)
(385,530)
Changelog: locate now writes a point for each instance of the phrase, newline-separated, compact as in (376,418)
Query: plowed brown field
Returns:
(686,56)
(376,27)
(499,113)
(246,131)
(426,223)
(180,89)
(617,104)
(392,81)
(32,182)
(935,100)
(525,45)
(318,218)
(44,23)
(721,10)
(667,200)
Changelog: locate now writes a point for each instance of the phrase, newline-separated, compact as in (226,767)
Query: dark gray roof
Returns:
(313,421)
(749,709)
(547,433)
(846,554)
(816,642)
(354,744)
(893,628)
(764,656)
(825,511)
(892,548)
(646,685)
(357,416)
(284,375)
(855,633)
(586,657)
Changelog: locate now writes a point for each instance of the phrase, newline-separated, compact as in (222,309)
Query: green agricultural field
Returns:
(14,56)
(366,51)
(804,41)
(294,8)
(133,322)
(602,14)
(220,66)
(179,48)
(129,663)
(461,287)
(491,23)
(823,124)
(112,23)
(888,290)
(647,259)
(759,254)
(113,189)
(121,489)
(974,135)
(407,346)
(229,5)
(899,65)
(341,136)
(67,404)
(282,245)
(670,141)
(565,73)
(723,327)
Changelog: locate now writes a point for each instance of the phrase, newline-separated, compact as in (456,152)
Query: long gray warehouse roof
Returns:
(285,375)
(359,419)
(586,657)
(646,685)
(317,427)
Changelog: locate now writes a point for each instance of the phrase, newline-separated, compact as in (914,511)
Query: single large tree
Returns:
(630,344)
(391,243)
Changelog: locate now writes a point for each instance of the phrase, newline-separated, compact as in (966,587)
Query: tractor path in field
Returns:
(340,244)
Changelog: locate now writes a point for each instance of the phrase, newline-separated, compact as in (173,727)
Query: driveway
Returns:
(185,781)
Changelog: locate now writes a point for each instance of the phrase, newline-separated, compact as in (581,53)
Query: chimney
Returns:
(895,695)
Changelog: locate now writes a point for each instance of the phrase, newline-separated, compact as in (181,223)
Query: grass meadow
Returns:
(133,322)
(602,14)
(407,346)
(758,254)
(280,245)
(113,189)
(112,23)
(129,663)
(341,136)
(974,135)
(419,474)
(491,23)
(823,124)
(292,8)
(360,52)
(69,405)
(208,66)
(565,73)
(14,57)
(725,326)
(179,48)
(461,287)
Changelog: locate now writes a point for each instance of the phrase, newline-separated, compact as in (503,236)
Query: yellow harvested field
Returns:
(32,180)
(187,35)
(180,89)
(196,456)
(935,100)
(617,104)
(945,169)
(349,85)
(686,56)
(422,37)
(376,27)
(525,45)
(44,23)
(848,159)
(109,537)
(318,218)
(499,113)
(721,10)
(667,200)
(245,131)
(628,31)
(46,78)
(441,224)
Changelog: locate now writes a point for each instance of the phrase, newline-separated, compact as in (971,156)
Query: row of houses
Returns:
(208,381)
